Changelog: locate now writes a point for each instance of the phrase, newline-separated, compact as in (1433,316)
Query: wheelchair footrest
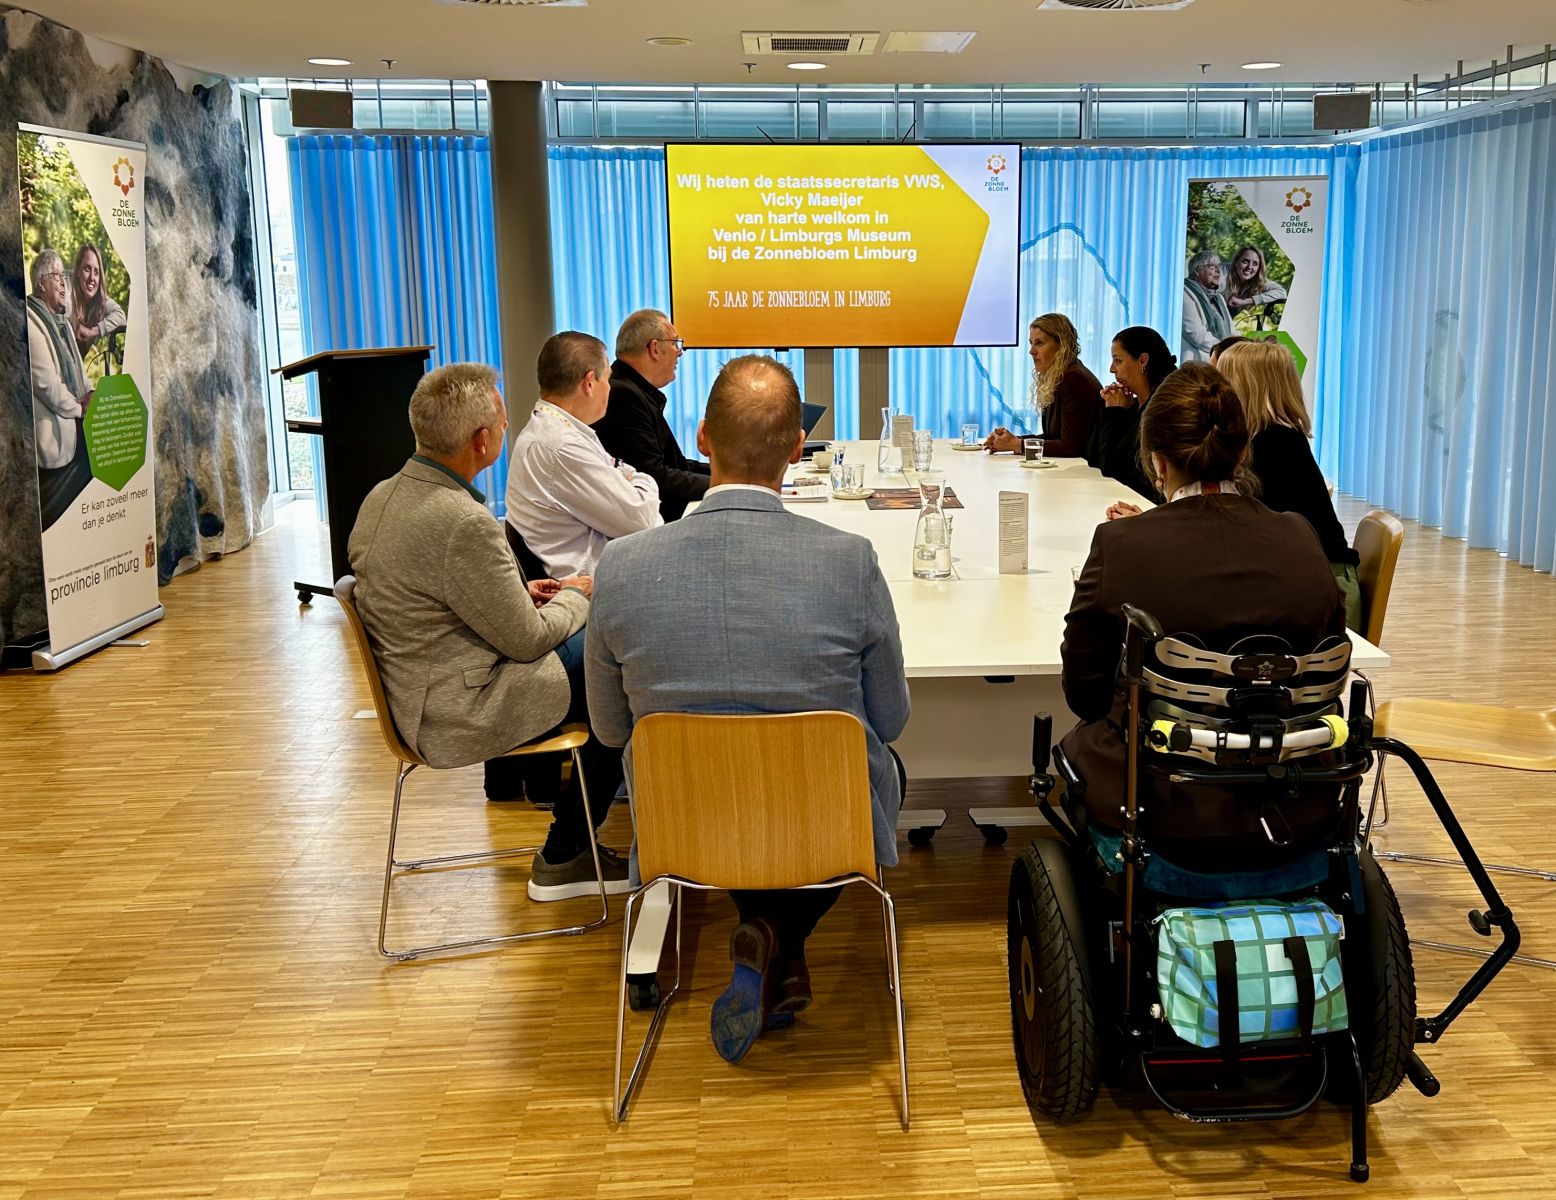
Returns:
(1295,1077)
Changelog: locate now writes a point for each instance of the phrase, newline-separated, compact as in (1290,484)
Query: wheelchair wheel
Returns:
(1380,983)
(1051,1013)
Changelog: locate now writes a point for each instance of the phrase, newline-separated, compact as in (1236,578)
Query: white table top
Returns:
(982,622)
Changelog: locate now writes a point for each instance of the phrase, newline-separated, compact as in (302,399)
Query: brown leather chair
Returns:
(1378,539)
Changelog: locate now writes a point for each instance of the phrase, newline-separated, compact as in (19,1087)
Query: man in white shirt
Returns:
(567,497)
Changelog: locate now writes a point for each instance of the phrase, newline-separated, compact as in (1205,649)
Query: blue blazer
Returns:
(744,607)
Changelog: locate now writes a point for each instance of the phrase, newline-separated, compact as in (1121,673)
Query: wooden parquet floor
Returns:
(192,836)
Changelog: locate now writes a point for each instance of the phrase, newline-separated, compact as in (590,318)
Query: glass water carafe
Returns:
(932,534)
(888,460)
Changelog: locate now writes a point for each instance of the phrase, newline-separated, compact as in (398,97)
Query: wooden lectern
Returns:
(364,396)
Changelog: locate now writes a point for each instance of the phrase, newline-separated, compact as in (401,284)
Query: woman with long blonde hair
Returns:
(1064,392)
(1265,379)
(94,314)
(1249,283)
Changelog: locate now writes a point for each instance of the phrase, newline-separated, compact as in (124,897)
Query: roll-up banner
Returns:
(1254,266)
(89,359)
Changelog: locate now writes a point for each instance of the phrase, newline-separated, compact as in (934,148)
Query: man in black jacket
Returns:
(634,429)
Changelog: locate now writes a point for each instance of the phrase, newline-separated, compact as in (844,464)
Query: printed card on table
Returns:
(1013,532)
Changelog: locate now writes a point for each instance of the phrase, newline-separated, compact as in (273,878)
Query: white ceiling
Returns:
(1318,41)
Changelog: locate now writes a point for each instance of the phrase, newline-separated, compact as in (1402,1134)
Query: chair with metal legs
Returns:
(1519,739)
(570,740)
(721,803)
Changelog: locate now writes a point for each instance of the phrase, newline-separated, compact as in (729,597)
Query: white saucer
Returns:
(1040,464)
(818,470)
(959,446)
(854,494)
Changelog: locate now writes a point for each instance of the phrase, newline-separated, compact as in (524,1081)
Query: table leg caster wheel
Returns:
(304,597)
(994,835)
(642,993)
(1360,1172)
(922,836)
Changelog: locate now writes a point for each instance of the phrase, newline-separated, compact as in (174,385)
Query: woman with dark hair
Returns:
(1209,563)
(94,314)
(1063,391)
(1140,361)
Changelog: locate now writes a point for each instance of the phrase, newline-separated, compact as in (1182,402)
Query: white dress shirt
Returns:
(567,496)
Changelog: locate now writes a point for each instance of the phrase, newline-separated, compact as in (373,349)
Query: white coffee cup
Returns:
(822,460)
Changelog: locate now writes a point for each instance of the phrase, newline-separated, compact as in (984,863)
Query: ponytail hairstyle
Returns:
(1195,421)
(1058,327)
(1140,340)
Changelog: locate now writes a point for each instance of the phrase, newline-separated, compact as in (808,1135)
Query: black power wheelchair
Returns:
(1097,988)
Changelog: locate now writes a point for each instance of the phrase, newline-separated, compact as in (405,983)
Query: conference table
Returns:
(981,649)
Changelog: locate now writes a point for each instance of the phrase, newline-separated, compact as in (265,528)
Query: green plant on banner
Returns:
(1220,220)
(58,214)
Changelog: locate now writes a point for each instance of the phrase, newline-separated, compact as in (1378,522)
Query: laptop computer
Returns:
(810,417)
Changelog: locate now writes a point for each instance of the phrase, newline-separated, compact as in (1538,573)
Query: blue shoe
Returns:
(740,1014)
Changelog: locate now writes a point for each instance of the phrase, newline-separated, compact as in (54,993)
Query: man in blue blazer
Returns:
(744,607)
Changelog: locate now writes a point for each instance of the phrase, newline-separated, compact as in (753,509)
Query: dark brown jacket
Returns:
(1219,567)
(1068,422)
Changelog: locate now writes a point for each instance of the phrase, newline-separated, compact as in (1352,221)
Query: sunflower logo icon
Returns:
(1299,198)
(125,184)
(996,164)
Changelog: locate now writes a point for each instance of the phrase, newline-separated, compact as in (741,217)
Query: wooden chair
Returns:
(722,802)
(570,740)
(1379,536)
(1518,739)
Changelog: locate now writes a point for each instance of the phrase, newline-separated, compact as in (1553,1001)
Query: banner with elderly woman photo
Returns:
(1254,266)
(89,361)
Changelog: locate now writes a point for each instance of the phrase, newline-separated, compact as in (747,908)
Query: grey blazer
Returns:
(465,655)
(743,607)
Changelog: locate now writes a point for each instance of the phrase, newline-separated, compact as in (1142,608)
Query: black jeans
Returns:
(539,773)
(795,913)
(601,768)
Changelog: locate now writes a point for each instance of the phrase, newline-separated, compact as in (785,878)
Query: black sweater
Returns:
(1114,449)
(1290,481)
(634,430)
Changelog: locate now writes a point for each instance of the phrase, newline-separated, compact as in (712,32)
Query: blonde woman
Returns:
(1066,394)
(94,313)
(1250,283)
(1265,380)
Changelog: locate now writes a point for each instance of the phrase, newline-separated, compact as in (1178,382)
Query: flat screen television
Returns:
(832,245)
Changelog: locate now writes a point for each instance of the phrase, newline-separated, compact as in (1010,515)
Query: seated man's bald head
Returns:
(752,429)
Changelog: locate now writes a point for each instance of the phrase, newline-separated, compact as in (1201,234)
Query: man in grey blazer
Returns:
(475,660)
(744,607)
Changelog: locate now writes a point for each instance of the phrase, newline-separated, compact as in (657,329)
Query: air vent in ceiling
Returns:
(826,44)
(1114,5)
(906,42)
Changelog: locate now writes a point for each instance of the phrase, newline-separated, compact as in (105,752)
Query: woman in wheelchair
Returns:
(1211,563)
(1208,920)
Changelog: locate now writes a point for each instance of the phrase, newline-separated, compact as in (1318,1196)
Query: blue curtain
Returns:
(1447,407)
(610,257)
(1101,239)
(1433,385)
(396,246)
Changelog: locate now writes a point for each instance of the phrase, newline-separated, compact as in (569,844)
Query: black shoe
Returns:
(504,780)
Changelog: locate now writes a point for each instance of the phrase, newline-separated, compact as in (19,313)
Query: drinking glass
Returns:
(847,477)
(923,449)
(970,433)
(1032,448)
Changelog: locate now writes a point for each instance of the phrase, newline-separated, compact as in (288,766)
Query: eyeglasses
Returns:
(678,343)
(54,275)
